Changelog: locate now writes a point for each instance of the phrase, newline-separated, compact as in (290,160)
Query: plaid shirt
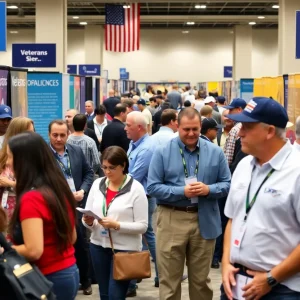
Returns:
(232,137)
(89,148)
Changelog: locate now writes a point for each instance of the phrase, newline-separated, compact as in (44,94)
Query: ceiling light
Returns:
(252,23)
(126,6)
(200,6)
(12,7)
(261,17)
(185,32)
(83,23)
(75,17)
(14,32)
(275,6)
(190,23)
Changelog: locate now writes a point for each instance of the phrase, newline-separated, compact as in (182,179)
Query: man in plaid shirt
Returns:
(236,106)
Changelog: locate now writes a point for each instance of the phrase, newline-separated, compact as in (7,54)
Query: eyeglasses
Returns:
(111,169)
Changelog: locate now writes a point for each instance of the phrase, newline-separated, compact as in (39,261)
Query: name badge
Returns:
(239,235)
(4,199)
(189,180)
(241,281)
(104,232)
(71,184)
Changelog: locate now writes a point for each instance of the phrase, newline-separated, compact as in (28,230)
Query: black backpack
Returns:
(20,280)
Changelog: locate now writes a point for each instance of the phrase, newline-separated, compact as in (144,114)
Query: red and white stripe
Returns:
(125,38)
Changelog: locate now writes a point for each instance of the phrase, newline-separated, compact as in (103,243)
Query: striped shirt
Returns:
(89,149)
(232,137)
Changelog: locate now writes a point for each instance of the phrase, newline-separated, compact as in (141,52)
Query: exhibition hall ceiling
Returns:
(160,14)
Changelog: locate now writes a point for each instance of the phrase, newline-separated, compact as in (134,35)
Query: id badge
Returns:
(239,235)
(71,184)
(189,180)
(104,232)
(241,281)
(4,199)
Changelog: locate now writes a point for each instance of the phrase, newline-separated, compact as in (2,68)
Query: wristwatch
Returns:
(271,280)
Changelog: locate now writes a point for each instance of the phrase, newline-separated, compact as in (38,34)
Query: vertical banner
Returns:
(297,34)
(82,95)
(286,89)
(71,92)
(18,93)
(291,105)
(246,89)
(3,86)
(77,92)
(65,93)
(3,30)
(44,100)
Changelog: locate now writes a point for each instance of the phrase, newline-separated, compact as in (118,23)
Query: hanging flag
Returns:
(122,28)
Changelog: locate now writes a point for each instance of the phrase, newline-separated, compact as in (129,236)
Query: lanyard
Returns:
(184,163)
(99,129)
(66,169)
(104,210)
(249,204)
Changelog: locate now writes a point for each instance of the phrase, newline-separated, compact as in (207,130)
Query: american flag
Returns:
(122,28)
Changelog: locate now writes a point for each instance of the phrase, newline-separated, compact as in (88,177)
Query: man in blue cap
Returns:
(262,241)
(5,118)
(236,106)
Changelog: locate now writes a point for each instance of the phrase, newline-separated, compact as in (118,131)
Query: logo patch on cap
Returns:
(250,106)
(6,109)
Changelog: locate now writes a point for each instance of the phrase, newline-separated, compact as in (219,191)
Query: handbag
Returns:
(130,265)
(20,280)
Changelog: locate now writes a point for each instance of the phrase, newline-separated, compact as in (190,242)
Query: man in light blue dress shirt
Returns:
(139,154)
(187,176)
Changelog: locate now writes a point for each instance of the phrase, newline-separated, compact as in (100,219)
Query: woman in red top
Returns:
(43,223)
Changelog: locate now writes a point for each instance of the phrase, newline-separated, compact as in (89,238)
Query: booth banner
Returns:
(18,94)
(3,26)
(246,89)
(77,92)
(82,95)
(3,86)
(71,92)
(214,87)
(90,70)
(286,89)
(44,100)
(72,69)
(227,72)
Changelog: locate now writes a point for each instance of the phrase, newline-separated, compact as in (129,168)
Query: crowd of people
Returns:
(221,176)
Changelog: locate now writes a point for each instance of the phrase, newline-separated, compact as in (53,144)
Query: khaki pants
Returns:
(179,239)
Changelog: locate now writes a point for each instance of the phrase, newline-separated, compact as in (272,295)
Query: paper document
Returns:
(89,213)
(241,281)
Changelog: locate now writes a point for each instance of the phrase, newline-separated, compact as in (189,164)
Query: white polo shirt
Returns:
(273,224)
(296,146)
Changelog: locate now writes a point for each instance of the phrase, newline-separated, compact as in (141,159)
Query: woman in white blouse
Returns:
(121,203)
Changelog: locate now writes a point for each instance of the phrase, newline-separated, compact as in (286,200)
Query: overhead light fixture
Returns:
(252,23)
(126,6)
(14,32)
(83,23)
(261,17)
(12,7)
(275,6)
(200,6)
(75,17)
(190,23)
(185,32)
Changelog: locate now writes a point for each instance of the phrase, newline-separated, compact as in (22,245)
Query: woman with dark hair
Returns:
(121,203)
(43,223)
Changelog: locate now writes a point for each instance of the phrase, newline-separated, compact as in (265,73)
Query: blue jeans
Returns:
(279,292)
(65,283)
(150,237)
(109,289)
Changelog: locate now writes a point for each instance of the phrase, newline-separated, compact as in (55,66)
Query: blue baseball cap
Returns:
(141,101)
(5,112)
(263,110)
(236,103)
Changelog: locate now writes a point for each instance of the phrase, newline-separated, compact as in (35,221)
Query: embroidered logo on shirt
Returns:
(273,192)
(250,106)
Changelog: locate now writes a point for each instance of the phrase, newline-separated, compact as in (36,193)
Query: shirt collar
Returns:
(104,122)
(90,114)
(205,137)
(55,152)
(183,146)
(277,161)
(166,129)
(138,142)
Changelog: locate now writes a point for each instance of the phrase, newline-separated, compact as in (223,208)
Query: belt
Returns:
(188,209)
(243,270)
